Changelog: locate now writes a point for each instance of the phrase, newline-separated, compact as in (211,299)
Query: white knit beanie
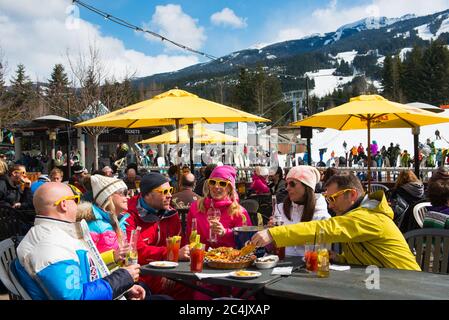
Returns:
(103,187)
(306,174)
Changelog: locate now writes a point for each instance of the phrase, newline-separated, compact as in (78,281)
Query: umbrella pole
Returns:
(416,163)
(190,130)
(177,155)
(369,154)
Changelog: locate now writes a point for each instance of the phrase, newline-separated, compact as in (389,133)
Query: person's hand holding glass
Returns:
(213,216)
(121,253)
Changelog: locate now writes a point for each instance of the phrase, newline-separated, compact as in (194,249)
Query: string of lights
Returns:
(129,25)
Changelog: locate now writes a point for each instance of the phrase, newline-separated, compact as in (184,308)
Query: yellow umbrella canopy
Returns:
(200,135)
(375,110)
(169,108)
(371,111)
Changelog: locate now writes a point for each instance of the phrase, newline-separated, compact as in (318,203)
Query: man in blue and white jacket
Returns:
(54,262)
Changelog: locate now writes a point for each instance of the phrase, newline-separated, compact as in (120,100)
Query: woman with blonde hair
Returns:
(219,193)
(106,217)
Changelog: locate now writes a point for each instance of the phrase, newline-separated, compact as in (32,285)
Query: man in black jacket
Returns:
(15,188)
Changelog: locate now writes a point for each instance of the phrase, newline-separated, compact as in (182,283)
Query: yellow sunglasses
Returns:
(331,198)
(165,191)
(75,197)
(221,183)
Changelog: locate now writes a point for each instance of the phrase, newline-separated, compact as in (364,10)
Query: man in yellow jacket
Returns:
(363,225)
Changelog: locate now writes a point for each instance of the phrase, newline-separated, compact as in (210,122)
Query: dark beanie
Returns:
(151,181)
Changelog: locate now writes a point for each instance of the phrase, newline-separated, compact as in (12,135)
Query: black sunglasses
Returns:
(292,184)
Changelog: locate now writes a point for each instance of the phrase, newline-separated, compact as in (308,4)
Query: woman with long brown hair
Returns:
(302,203)
(407,191)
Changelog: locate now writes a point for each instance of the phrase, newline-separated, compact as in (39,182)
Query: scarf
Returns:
(222,204)
(415,189)
(149,214)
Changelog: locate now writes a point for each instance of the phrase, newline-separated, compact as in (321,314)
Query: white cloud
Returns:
(227,17)
(290,33)
(171,22)
(333,15)
(39,36)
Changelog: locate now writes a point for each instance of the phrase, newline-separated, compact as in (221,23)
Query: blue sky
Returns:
(42,33)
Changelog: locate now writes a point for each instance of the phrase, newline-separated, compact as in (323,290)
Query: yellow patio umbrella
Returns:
(371,111)
(200,135)
(174,107)
(169,108)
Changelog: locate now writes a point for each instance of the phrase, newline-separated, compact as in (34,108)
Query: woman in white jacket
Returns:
(302,203)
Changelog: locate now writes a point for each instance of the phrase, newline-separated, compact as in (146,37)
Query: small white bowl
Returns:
(267,262)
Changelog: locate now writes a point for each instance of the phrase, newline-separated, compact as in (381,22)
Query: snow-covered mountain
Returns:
(368,40)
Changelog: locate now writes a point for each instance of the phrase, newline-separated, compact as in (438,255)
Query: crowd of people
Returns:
(369,226)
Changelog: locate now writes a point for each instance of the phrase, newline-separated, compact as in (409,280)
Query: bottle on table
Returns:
(193,231)
(323,256)
(278,221)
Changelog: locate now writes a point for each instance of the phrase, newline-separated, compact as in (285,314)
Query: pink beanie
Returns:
(306,174)
(225,173)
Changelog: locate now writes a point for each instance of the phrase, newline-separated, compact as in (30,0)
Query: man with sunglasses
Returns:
(55,263)
(15,188)
(151,211)
(363,225)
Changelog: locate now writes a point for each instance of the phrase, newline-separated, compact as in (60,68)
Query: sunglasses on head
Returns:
(165,191)
(220,183)
(75,197)
(333,197)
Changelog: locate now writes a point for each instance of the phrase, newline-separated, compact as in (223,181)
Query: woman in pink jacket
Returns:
(260,178)
(219,193)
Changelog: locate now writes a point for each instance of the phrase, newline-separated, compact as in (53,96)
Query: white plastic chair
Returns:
(7,256)
(419,210)
(377,186)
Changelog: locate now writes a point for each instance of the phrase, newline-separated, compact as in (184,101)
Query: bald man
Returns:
(186,196)
(55,263)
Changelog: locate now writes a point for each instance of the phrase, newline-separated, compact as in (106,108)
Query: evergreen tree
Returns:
(391,79)
(387,77)
(21,87)
(244,92)
(435,74)
(58,92)
(343,69)
(21,90)
(411,81)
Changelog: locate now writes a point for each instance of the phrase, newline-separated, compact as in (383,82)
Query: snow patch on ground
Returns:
(271,57)
(347,56)
(424,32)
(443,28)
(380,61)
(404,52)
(404,35)
(325,82)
